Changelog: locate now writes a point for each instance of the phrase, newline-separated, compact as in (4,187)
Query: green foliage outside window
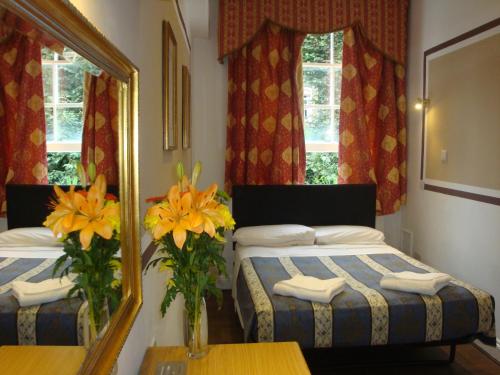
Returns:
(316,48)
(62,167)
(321,168)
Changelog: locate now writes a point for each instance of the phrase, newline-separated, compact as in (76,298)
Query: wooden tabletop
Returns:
(242,359)
(41,360)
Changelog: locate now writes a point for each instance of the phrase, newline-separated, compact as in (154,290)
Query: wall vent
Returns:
(407,241)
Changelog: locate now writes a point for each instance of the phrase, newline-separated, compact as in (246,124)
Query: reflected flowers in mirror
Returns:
(87,222)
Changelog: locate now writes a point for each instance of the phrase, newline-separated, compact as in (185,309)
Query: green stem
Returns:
(92,322)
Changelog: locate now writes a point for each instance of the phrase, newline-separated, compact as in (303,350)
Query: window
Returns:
(63,98)
(322,70)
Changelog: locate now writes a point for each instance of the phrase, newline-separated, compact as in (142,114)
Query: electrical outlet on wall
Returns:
(153,341)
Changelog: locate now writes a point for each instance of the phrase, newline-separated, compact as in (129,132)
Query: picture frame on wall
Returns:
(169,87)
(186,108)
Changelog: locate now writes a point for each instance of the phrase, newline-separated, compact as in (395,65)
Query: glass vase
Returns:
(98,321)
(196,330)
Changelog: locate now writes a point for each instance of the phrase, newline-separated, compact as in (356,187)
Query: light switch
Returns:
(444,156)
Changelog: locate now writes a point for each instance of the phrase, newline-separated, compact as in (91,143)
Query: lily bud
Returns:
(91,171)
(196,173)
(180,171)
(80,171)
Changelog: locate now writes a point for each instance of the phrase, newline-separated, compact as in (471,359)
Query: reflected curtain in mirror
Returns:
(100,127)
(23,155)
(372,140)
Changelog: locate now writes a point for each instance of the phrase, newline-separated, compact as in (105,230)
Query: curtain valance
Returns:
(9,23)
(383,21)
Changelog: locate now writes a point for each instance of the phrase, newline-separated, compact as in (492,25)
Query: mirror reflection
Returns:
(60,261)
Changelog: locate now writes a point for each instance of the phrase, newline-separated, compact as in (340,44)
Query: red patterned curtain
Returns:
(383,21)
(265,135)
(372,147)
(100,127)
(23,152)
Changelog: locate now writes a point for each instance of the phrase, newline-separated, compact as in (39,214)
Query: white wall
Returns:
(134,26)
(209,79)
(456,235)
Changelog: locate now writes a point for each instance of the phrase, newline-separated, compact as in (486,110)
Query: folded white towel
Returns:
(29,294)
(310,288)
(421,283)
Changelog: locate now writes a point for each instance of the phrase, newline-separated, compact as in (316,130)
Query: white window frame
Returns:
(55,105)
(334,70)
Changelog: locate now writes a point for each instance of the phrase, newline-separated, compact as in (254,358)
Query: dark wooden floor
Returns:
(224,327)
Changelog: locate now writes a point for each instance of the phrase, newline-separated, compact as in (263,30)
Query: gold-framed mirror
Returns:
(61,21)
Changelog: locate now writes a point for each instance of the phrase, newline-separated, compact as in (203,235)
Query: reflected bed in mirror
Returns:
(70,118)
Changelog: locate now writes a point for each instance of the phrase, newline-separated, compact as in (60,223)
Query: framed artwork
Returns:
(186,107)
(461,121)
(169,89)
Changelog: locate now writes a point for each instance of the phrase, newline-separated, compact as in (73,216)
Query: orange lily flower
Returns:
(173,216)
(88,213)
(205,210)
(95,215)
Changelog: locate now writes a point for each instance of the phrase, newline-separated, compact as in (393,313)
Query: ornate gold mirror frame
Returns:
(65,23)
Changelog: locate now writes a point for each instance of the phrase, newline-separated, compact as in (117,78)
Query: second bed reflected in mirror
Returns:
(60,259)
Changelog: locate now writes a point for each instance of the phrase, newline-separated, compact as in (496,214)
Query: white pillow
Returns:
(36,236)
(275,235)
(347,234)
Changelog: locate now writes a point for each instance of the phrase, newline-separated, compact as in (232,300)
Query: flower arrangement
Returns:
(188,225)
(88,224)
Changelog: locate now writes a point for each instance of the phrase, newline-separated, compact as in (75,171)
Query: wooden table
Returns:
(284,358)
(41,360)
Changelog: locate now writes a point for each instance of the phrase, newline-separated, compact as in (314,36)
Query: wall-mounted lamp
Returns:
(422,103)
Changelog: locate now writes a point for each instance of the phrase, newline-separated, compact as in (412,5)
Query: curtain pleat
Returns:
(372,139)
(265,134)
(23,151)
(100,127)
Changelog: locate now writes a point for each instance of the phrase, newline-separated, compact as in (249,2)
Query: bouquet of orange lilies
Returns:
(188,224)
(88,224)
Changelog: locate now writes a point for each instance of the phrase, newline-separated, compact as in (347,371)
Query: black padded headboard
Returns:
(28,205)
(304,204)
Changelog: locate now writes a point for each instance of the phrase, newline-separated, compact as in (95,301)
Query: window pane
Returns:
(338,85)
(47,83)
(62,167)
(316,48)
(316,85)
(337,47)
(336,122)
(318,127)
(69,124)
(49,123)
(70,83)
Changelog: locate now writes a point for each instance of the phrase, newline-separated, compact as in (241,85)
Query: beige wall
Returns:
(456,235)
(464,115)
(134,26)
